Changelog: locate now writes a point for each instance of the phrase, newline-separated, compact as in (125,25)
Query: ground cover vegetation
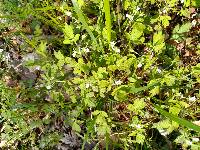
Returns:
(99,74)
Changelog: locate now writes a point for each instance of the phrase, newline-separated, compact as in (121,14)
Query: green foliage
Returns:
(111,70)
(84,23)
(69,35)
(179,31)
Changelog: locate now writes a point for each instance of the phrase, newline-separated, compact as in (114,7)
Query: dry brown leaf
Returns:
(188,53)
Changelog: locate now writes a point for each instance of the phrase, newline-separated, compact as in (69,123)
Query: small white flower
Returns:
(138,126)
(164,11)
(192,99)
(68,13)
(3,20)
(117,50)
(83,36)
(87,85)
(37,67)
(182,95)
(194,22)
(74,54)
(129,17)
(182,1)
(48,87)
(3,143)
(193,15)
(139,65)
(138,8)
(7,56)
(118,82)
(188,142)
(62,8)
(195,139)
(29,57)
(112,44)
(163,132)
(159,70)
(1,50)
(86,50)
(152,55)
(59,18)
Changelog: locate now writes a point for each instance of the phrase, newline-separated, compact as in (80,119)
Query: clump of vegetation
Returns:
(118,74)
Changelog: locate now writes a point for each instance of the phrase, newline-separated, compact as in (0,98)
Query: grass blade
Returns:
(144,88)
(108,19)
(84,23)
(180,121)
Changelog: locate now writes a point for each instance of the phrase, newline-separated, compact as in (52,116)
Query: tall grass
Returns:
(84,23)
(180,121)
(108,19)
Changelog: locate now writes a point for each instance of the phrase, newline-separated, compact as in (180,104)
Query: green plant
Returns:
(109,69)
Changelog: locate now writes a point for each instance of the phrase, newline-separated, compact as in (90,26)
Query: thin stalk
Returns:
(84,23)
(107,141)
(108,20)
(118,15)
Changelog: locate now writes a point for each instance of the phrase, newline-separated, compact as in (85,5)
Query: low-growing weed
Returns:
(119,74)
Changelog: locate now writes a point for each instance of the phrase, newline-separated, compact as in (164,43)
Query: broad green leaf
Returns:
(137,32)
(174,110)
(121,95)
(69,35)
(90,94)
(185,27)
(169,80)
(179,31)
(140,138)
(98,112)
(68,30)
(89,102)
(76,127)
(138,105)
(187,3)
(155,91)
(59,55)
(172,3)
(158,42)
(42,49)
(103,83)
(81,3)
(165,20)
(185,12)
(163,124)
(101,122)
(35,124)
(158,38)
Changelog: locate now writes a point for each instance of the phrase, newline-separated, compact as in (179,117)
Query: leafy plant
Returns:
(118,74)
